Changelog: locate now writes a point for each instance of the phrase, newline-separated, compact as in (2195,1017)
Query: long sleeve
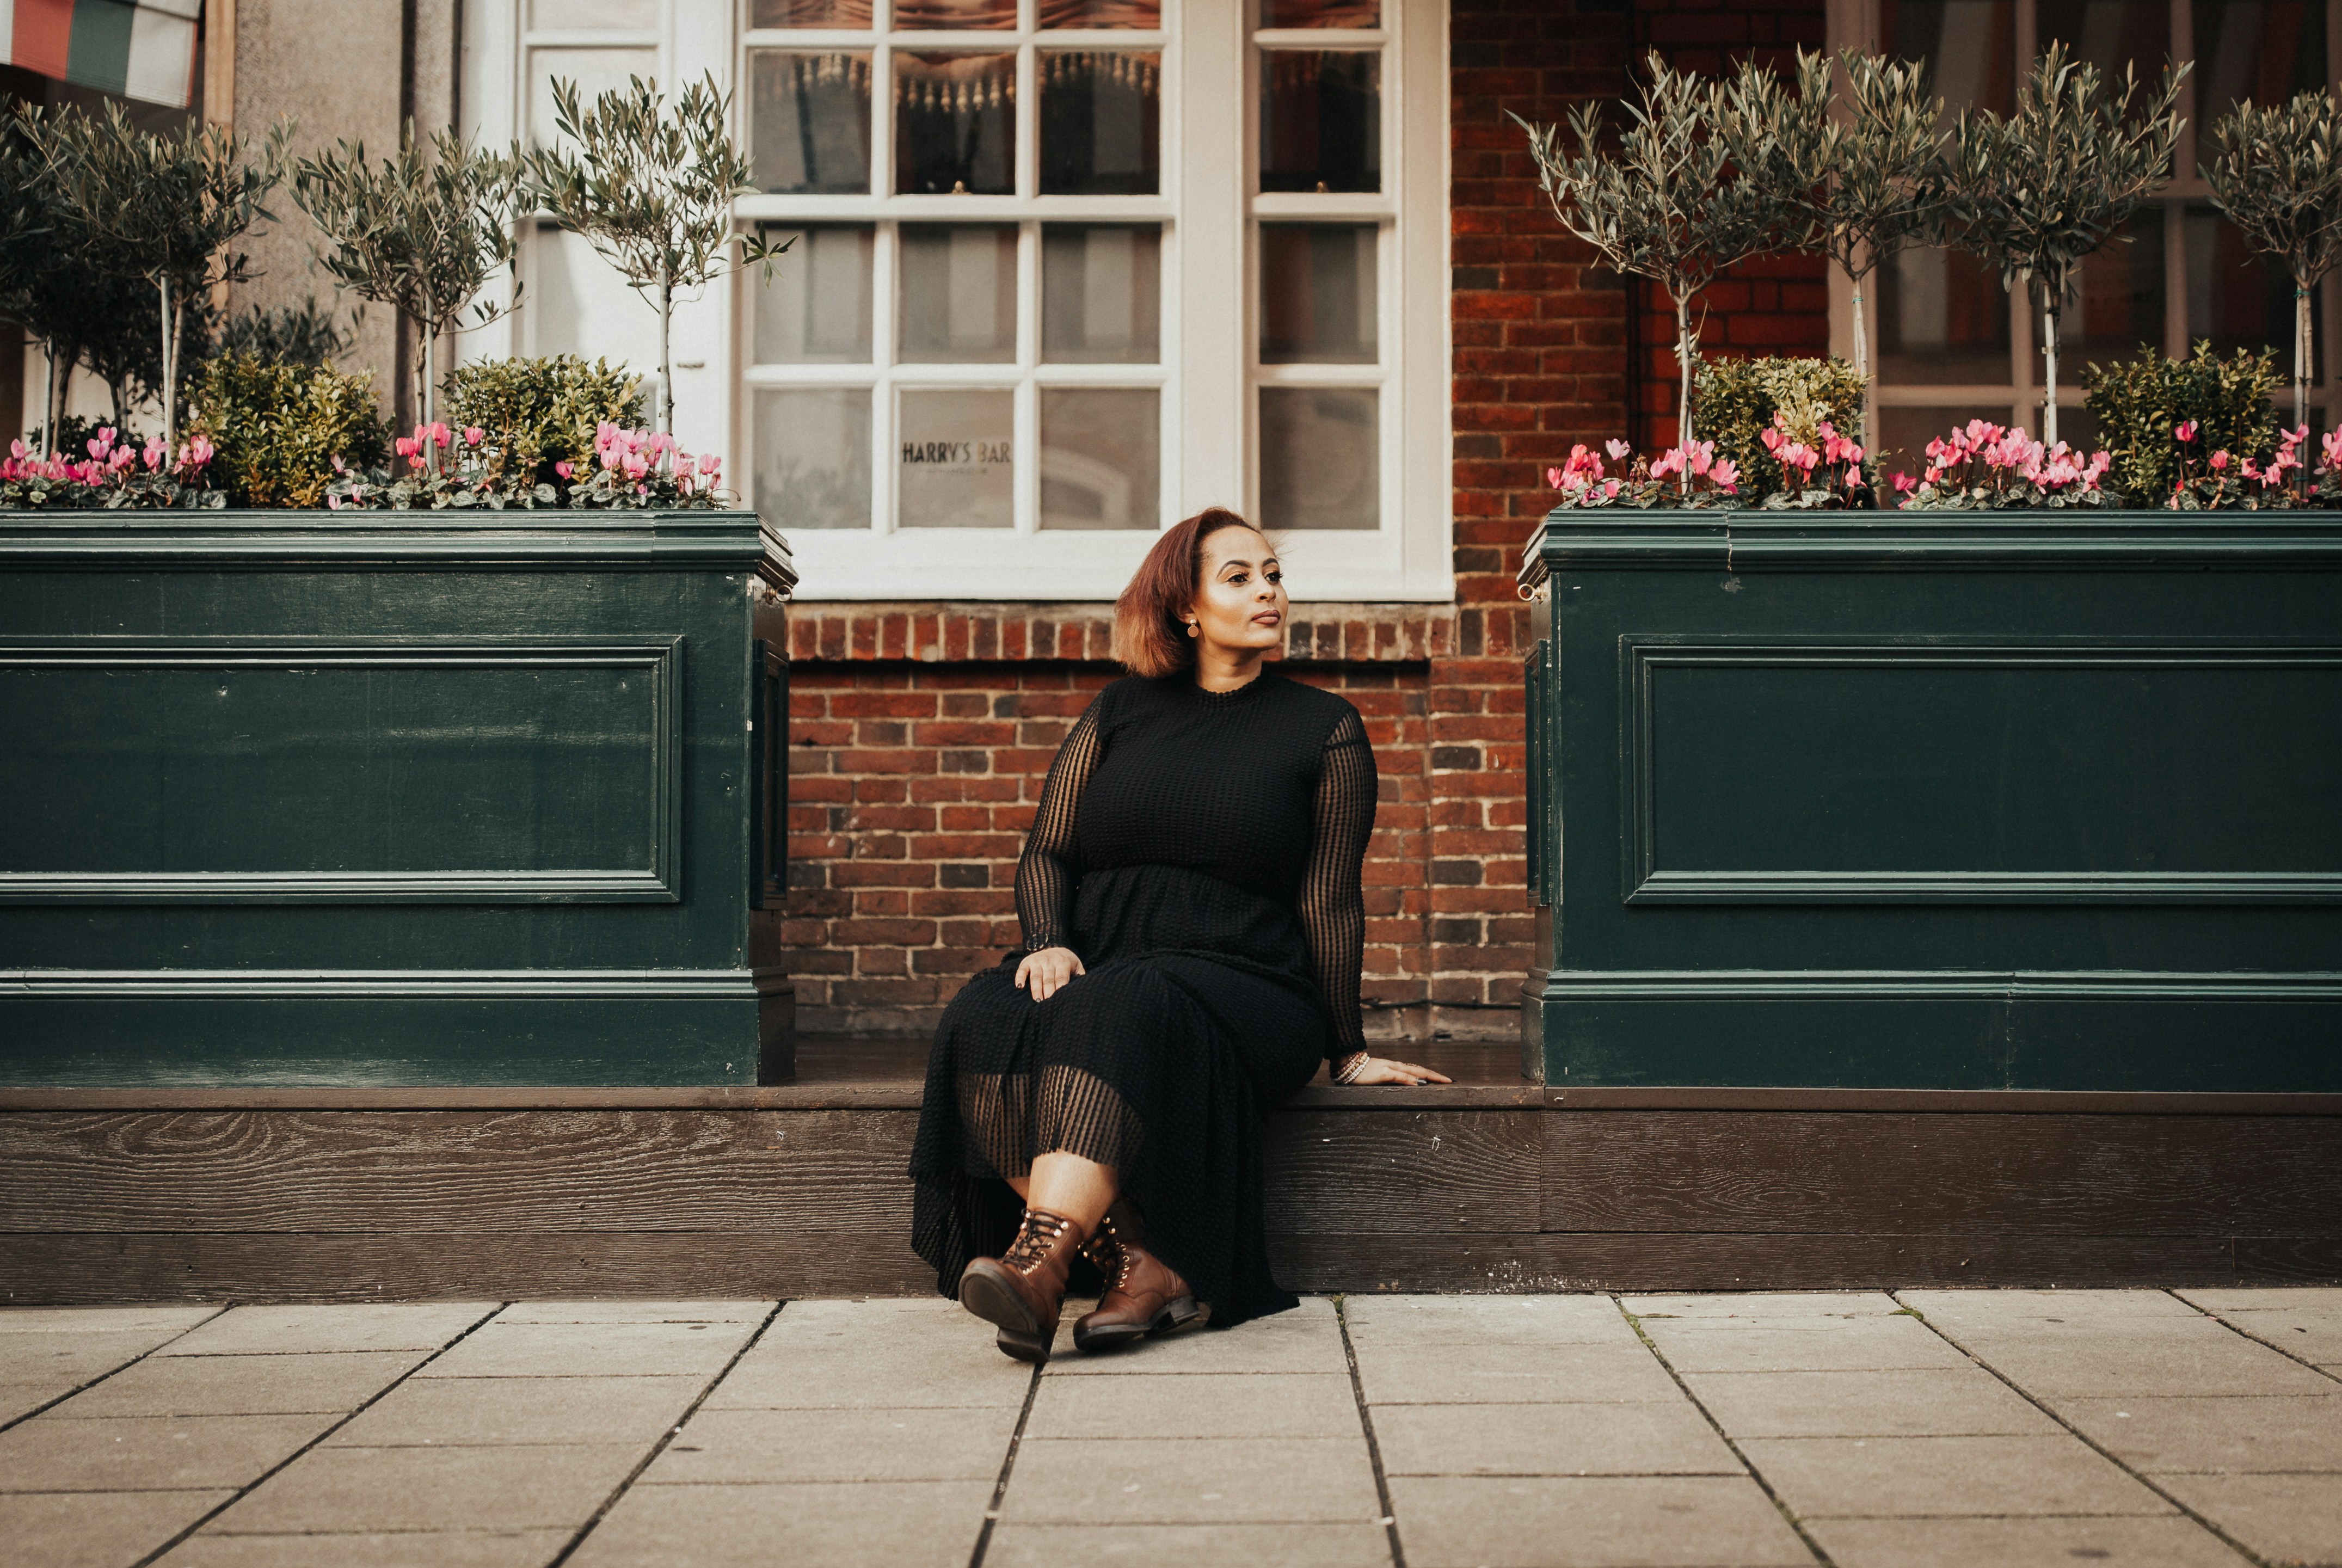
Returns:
(1332,905)
(1051,867)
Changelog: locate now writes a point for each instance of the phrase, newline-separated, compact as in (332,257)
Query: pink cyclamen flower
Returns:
(474,434)
(2185,430)
(440,435)
(404,445)
(155,453)
(710,468)
(1726,475)
(2220,461)
(1905,484)
(1617,449)
(332,502)
(196,453)
(1552,475)
(565,468)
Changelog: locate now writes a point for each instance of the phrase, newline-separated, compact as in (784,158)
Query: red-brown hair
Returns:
(1150,619)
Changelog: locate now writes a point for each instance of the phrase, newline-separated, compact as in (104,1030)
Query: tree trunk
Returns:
(1861,369)
(170,368)
(430,357)
(2302,347)
(1684,354)
(666,365)
(2049,373)
(60,377)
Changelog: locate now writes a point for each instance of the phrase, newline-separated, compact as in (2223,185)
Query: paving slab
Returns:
(1187,1480)
(1470,1375)
(748,1312)
(161,1321)
(54,1358)
(2007,1309)
(20,1399)
(1848,1344)
(2239,1433)
(150,1453)
(935,1365)
(1743,1307)
(1196,1404)
(2197,1356)
(869,1525)
(336,1381)
(1946,1402)
(295,1330)
(1484,1320)
(1645,1439)
(473,1412)
(2172,1540)
(96,1529)
(2284,1518)
(2301,1322)
(405,1549)
(1913,1477)
(593,1350)
(1358,1545)
(362,1491)
(731,1446)
(1592,1522)
(1306,1339)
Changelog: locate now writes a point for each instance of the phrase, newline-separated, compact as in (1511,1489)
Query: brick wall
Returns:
(922,731)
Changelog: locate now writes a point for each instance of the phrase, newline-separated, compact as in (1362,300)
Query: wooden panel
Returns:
(1436,1173)
(1896,1173)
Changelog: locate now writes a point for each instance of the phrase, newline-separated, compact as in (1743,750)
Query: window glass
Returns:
(809,122)
(1101,293)
(1317,296)
(2118,305)
(2264,50)
(1320,463)
(1320,14)
(1101,115)
(1943,318)
(596,72)
(2110,35)
(815,309)
(592,15)
(578,304)
(2240,300)
(1147,13)
(1969,46)
(845,14)
(813,457)
(955,15)
(1101,457)
(956,468)
(958,288)
(955,123)
(1320,121)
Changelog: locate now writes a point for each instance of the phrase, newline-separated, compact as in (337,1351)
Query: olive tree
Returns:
(2040,188)
(2276,173)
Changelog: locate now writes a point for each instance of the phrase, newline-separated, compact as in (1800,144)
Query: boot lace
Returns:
(1106,1250)
(1034,1237)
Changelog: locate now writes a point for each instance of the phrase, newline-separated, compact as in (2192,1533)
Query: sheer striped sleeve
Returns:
(1051,868)
(1332,905)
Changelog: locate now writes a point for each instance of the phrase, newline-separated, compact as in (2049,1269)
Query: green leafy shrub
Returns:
(304,334)
(2139,402)
(278,428)
(1739,398)
(539,411)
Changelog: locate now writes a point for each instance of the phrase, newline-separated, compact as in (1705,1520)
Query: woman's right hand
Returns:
(1044,973)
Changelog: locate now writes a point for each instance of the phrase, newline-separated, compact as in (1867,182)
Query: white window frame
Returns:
(1209,208)
(1854,24)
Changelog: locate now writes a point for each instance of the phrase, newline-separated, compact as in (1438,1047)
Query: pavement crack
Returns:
(101,1377)
(1788,1515)
(1367,1424)
(2252,1338)
(377,1397)
(627,1482)
(1008,1465)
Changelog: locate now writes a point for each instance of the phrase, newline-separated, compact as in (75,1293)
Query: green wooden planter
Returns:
(392,798)
(2025,800)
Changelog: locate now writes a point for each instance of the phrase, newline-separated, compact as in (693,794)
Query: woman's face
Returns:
(1242,603)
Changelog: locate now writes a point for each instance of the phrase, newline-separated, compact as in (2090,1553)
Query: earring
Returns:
(1192,630)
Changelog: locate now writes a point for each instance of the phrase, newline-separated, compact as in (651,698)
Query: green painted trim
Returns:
(399,984)
(1926,984)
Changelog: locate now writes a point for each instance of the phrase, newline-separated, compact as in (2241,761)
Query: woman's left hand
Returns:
(1383,1070)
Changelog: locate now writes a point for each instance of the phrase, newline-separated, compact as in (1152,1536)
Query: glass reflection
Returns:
(955,463)
(813,457)
(959,291)
(1319,466)
(816,308)
(1969,45)
(1317,294)
(1100,118)
(2110,35)
(592,15)
(1321,14)
(2264,50)
(2240,300)
(1943,319)
(809,13)
(1101,457)
(1101,293)
(1147,14)
(809,122)
(1320,121)
(954,14)
(954,124)
(2118,305)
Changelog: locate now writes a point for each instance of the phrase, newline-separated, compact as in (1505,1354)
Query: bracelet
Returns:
(1348,1069)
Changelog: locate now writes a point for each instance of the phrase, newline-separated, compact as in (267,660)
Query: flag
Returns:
(144,50)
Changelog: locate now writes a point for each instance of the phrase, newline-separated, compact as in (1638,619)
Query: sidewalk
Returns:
(1867,1431)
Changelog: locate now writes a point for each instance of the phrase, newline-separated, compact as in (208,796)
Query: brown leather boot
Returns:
(1022,1290)
(1143,1295)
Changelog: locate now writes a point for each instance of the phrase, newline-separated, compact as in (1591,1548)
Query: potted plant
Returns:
(2276,174)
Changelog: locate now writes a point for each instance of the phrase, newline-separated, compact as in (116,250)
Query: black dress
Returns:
(1200,852)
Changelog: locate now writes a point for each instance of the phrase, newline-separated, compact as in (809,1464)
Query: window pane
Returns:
(1318,294)
(1943,318)
(2264,50)
(2239,300)
(2119,303)
(1900,437)
(1320,121)
(596,72)
(1101,458)
(1319,459)
(955,123)
(959,294)
(591,16)
(1101,14)
(2110,35)
(575,303)
(1969,45)
(955,13)
(809,13)
(816,310)
(810,123)
(1101,293)
(955,468)
(1100,123)
(813,457)
(1321,14)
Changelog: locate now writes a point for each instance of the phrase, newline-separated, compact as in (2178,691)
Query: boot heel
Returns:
(1027,1347)
(1181,1313)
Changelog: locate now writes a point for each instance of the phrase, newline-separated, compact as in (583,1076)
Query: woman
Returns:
(1193,934)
